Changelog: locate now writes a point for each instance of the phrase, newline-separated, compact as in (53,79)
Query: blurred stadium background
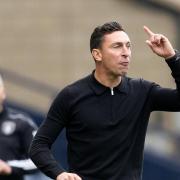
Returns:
(44,45)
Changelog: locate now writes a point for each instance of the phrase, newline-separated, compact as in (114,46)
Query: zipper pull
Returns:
(112,92)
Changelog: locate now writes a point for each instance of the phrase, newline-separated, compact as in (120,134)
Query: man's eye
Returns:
(128,45)
(116,46)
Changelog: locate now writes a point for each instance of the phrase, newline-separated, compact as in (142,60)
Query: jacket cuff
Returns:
(174,62)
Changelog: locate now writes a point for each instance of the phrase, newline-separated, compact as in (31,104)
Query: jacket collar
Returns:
(99,88)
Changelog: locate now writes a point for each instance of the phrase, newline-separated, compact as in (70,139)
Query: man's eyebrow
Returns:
(120,42)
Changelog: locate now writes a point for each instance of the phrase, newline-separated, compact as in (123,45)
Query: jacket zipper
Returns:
(112,91)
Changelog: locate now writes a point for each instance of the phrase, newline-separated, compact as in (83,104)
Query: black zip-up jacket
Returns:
(105,127)
(16,133)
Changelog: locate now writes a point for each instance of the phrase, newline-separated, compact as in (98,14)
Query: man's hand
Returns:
(159,44)
(5,169)
(68,176)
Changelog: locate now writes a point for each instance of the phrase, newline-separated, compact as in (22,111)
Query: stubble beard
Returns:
(123,73)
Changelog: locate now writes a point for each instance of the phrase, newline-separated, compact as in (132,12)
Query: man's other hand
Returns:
(68,176)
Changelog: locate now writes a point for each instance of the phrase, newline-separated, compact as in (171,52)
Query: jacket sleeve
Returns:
(166,99)
(55,121)
(27,129)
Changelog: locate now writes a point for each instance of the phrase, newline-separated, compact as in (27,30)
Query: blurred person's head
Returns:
(2,93)
(110,48)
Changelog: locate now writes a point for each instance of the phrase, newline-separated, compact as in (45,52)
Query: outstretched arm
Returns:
(159,44)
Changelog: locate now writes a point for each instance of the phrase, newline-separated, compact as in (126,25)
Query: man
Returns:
(16,133)
(106,113)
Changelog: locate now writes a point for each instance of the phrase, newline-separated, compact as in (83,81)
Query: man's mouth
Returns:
(125,64)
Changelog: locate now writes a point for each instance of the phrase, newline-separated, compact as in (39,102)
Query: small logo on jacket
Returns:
(8,127)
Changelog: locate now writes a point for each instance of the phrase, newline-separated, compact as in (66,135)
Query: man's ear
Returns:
(96,53)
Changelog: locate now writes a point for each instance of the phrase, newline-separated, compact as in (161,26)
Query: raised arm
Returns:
(165,99)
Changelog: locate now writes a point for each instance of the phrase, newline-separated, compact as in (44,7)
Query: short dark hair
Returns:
(99,32)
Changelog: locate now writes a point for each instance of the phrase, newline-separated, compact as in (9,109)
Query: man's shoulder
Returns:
(75,89)
(80,82)
(79,85)
(140,82)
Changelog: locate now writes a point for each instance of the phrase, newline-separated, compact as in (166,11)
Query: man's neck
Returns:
(107,80)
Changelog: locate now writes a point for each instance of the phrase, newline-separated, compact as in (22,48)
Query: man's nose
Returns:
(126,51)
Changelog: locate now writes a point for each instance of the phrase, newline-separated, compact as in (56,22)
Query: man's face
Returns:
(115,53)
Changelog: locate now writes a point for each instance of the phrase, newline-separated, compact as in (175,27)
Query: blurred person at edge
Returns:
(106,113)
(16,133)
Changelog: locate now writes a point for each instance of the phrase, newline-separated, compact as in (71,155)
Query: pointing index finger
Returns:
(148,31)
